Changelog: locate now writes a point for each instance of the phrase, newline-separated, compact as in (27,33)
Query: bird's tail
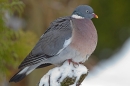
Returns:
(21,74)
(25,71)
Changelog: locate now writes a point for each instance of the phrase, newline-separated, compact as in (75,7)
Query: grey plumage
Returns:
(50,43)
(73,37)
(83,12)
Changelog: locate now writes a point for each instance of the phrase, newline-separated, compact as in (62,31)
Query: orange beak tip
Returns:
(96,16)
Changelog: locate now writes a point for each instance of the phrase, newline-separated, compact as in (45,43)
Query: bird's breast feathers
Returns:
(84,36)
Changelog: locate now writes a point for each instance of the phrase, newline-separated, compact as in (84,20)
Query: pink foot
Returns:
(74,63)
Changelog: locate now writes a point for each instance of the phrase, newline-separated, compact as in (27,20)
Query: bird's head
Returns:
(84,11)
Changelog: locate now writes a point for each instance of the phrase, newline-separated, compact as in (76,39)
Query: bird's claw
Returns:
(74,63)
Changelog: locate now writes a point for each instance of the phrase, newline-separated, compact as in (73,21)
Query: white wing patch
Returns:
(66,43)
(42,35)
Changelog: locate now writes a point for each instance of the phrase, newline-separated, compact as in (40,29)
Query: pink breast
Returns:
(84,38)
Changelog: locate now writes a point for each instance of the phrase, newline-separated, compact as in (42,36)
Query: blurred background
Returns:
(22,22)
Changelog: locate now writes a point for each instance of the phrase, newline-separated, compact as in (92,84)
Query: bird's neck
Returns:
(77,17)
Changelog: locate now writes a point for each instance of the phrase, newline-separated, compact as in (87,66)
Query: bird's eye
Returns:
(87,11)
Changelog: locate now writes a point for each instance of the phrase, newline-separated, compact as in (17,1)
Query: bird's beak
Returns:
(95,16)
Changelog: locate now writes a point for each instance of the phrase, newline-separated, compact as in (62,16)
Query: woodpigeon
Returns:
(72,38)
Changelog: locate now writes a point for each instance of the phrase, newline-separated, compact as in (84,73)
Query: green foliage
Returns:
(14,6)
(14,45)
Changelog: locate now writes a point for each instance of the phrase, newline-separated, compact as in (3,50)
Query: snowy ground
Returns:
(112,72)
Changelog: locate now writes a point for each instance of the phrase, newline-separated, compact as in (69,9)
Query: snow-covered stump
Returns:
(65,75)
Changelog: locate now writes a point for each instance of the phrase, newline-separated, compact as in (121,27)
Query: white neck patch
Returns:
(77,17)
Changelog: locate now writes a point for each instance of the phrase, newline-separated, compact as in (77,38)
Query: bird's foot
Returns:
(80,62)
(74,63)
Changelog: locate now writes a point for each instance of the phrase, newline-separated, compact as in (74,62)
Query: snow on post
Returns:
(65,75)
